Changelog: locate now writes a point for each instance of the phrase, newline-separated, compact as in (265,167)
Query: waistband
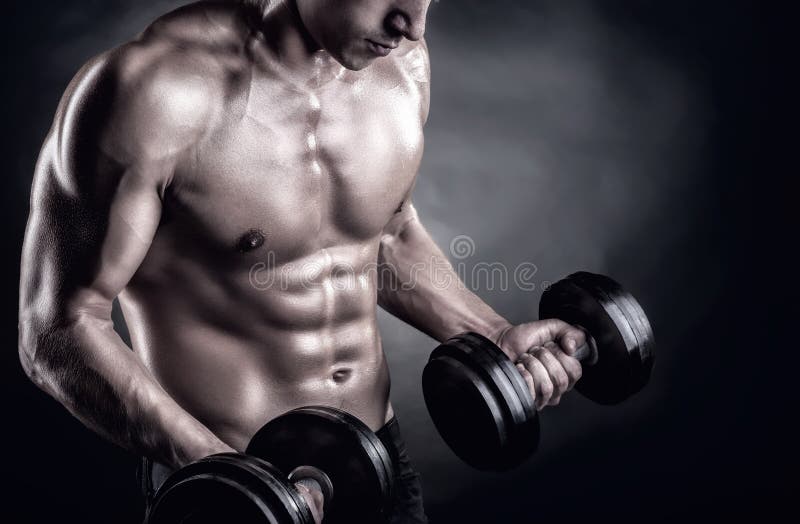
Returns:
(389,432)
(389,435)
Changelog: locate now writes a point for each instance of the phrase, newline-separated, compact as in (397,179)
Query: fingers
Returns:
(571,365)
(314,499)
(557,373)
(569,337)
(528,379)
(546,362)
(542,384)
(549,373)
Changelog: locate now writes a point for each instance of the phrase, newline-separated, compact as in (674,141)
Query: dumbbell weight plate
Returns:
(287,502)
(508,367)
(465,410)
(483,415)
(524,437)
(340,445)
(227,487)
(619,327)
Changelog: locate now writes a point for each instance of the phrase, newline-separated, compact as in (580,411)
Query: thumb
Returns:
(540,332)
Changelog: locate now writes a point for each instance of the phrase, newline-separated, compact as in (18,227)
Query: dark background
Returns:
(641,139)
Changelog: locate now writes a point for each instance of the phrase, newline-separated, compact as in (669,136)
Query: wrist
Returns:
(203,447)
(493,328)
(189,441)
(498,332)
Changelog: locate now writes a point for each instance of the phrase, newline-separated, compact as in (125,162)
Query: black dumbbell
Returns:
(322,448)
(481,405)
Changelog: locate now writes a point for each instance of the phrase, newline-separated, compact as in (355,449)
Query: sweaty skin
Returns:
(247,198)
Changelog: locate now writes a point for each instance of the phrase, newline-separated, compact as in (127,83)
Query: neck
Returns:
(286,40)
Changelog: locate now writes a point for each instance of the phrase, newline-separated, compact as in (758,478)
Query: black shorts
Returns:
(407,507)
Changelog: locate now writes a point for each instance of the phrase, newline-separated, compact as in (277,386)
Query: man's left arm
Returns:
(413,269)
(417,284)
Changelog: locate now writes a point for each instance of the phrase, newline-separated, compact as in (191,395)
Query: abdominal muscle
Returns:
(236,354)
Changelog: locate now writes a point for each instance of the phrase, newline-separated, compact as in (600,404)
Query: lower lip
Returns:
(378,49)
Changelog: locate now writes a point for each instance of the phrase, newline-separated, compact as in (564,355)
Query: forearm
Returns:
(87,367)
(419,285)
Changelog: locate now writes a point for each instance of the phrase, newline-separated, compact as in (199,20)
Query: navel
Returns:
(252,239)
(341,375)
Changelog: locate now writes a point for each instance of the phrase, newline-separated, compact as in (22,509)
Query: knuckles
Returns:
(561,381)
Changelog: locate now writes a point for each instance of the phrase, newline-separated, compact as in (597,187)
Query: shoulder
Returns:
(414,60)
(413,66)
(156,94)
(213,25)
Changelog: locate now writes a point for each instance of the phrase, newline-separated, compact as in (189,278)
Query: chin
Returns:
(353,59)
(358,64)
(353,63)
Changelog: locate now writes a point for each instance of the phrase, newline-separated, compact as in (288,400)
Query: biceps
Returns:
(82,248)
(129,227)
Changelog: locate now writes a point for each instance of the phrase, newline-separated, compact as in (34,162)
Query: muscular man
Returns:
(240,176)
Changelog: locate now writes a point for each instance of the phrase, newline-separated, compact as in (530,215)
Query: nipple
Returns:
(251,240)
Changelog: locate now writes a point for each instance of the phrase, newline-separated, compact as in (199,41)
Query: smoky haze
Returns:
(562,136)
(553,139)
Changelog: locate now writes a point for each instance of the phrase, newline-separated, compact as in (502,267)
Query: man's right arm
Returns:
(119,131)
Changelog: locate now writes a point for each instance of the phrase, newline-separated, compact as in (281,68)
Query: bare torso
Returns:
(243,195)
(258,293)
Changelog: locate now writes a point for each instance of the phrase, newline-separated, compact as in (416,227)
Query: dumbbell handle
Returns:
(314,479)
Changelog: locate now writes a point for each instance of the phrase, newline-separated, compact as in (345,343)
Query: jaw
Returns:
(353,60)
(358,65)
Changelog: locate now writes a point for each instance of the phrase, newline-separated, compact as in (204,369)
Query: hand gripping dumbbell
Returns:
(320,447)
(481,405)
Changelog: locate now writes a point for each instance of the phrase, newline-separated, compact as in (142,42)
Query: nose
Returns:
(408,18)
